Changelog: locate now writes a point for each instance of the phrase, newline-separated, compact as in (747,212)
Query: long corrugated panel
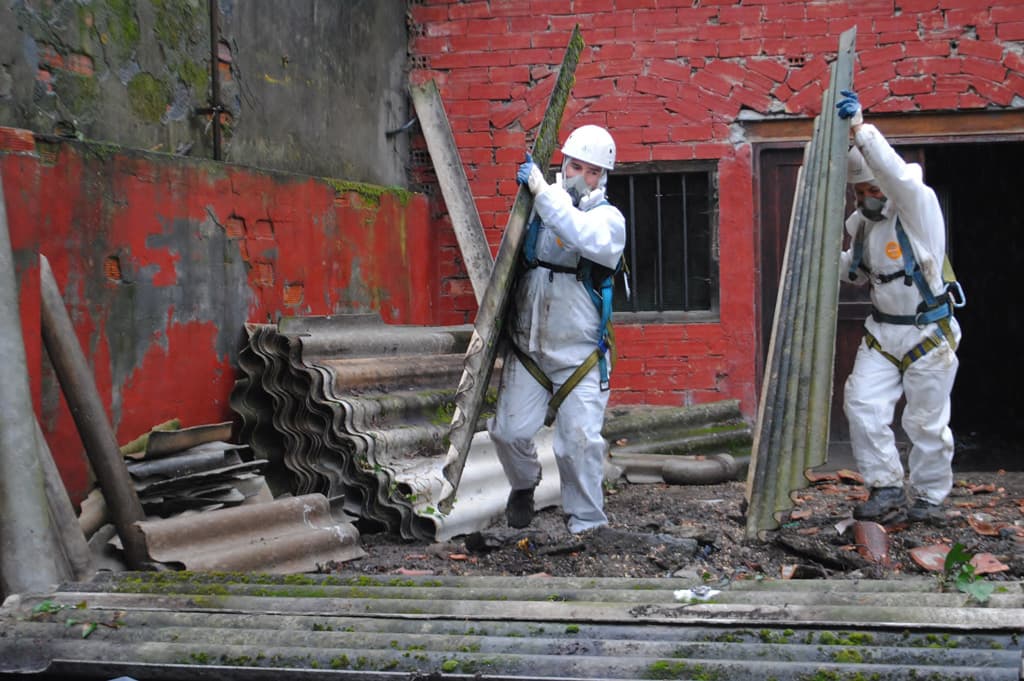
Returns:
(791,434)
(359,410)
(246,626)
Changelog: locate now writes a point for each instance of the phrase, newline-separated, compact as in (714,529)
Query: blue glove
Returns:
(530,175)
(849,108)
(525,169)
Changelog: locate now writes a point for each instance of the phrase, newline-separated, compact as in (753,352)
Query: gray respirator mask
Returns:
(576,186)
(871,208)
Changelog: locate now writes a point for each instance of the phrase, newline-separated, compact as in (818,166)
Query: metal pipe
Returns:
(86,407)
(27,562)
(215,106)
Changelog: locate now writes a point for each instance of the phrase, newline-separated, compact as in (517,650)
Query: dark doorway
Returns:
(977,185)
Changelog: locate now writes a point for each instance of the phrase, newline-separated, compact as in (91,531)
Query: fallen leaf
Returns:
(980,489)
(416,556)
(814,477)
(808,531)
(457,556)
(801,514)
(788,571)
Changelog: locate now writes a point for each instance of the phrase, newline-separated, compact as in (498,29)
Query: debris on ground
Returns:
(697,531)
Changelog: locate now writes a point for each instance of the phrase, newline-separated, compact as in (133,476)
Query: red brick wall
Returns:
(668,78)
(162,260)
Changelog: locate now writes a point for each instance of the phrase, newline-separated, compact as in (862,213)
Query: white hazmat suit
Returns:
(555,323)
(876,383)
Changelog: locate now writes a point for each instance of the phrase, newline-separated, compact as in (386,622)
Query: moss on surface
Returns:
(149,97)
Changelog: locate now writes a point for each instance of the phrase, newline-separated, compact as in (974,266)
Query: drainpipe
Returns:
(215,110)
(86,407)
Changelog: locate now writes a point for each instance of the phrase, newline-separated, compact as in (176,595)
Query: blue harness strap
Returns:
(600,294)
(933,309)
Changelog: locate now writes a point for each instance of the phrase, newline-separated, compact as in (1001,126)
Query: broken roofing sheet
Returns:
(359,410)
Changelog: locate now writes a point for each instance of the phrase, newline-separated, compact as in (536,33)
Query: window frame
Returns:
(713,314)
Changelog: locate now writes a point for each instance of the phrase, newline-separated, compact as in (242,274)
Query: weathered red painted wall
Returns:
(670,78)
(162,260)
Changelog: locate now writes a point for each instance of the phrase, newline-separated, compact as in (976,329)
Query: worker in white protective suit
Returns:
(558,347)
(898,247)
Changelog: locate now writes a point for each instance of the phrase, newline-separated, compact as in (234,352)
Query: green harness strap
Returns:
(559,396)
(918,351)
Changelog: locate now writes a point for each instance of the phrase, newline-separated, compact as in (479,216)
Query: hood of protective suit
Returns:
(857,169)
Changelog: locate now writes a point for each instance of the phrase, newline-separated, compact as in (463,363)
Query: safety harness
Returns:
(599,282)
(937,309)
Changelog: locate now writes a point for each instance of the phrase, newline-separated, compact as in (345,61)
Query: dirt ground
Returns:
(697,533)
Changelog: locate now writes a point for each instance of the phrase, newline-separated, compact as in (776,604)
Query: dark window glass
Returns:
(670,240)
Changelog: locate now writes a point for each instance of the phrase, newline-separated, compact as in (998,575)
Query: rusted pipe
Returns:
(86,407)
(27,562)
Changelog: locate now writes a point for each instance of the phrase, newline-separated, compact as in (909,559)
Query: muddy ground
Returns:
(698,533)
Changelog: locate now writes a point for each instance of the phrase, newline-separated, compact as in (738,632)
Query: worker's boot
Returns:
(883,502)
(923,510)
(519,510)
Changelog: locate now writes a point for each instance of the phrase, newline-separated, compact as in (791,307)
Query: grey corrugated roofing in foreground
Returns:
(288,535)
(354,408)
(172,626)
(791,434)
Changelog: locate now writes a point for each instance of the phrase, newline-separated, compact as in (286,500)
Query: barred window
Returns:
(670,239)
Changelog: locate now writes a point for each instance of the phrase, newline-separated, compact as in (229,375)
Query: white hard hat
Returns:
(857,169)
(591,144)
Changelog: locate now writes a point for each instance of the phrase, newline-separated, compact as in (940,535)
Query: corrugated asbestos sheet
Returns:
(791,434)
(173,626)
(359,411)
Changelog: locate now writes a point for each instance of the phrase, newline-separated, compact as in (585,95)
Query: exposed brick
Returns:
(976,48)
(918,6)
(892,24)
(879,74)
(895,104)
(652,18)
(812,70)
(928,49)
(882,55)
(969,100)
(669,70)
(80,63)
(716,33)
(16,140)
(956,84)
(689,110)
(911,86)
(711,82)
(696,48)
(1009,10)
(264,273)
(471,9)
(748,47)
(459,61)
(655,50)
(1016,83)
(1014,61)
(741,15)
(772,68)
(1011,31)
(807,101)
(984,69)
(998,94)
(656,86)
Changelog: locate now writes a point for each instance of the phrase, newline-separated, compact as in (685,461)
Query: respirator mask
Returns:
(871,208)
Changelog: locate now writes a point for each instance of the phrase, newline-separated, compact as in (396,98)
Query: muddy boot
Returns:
(923,510)
(519,510)
(883,503)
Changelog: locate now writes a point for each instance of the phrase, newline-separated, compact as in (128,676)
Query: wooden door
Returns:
(777,174)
